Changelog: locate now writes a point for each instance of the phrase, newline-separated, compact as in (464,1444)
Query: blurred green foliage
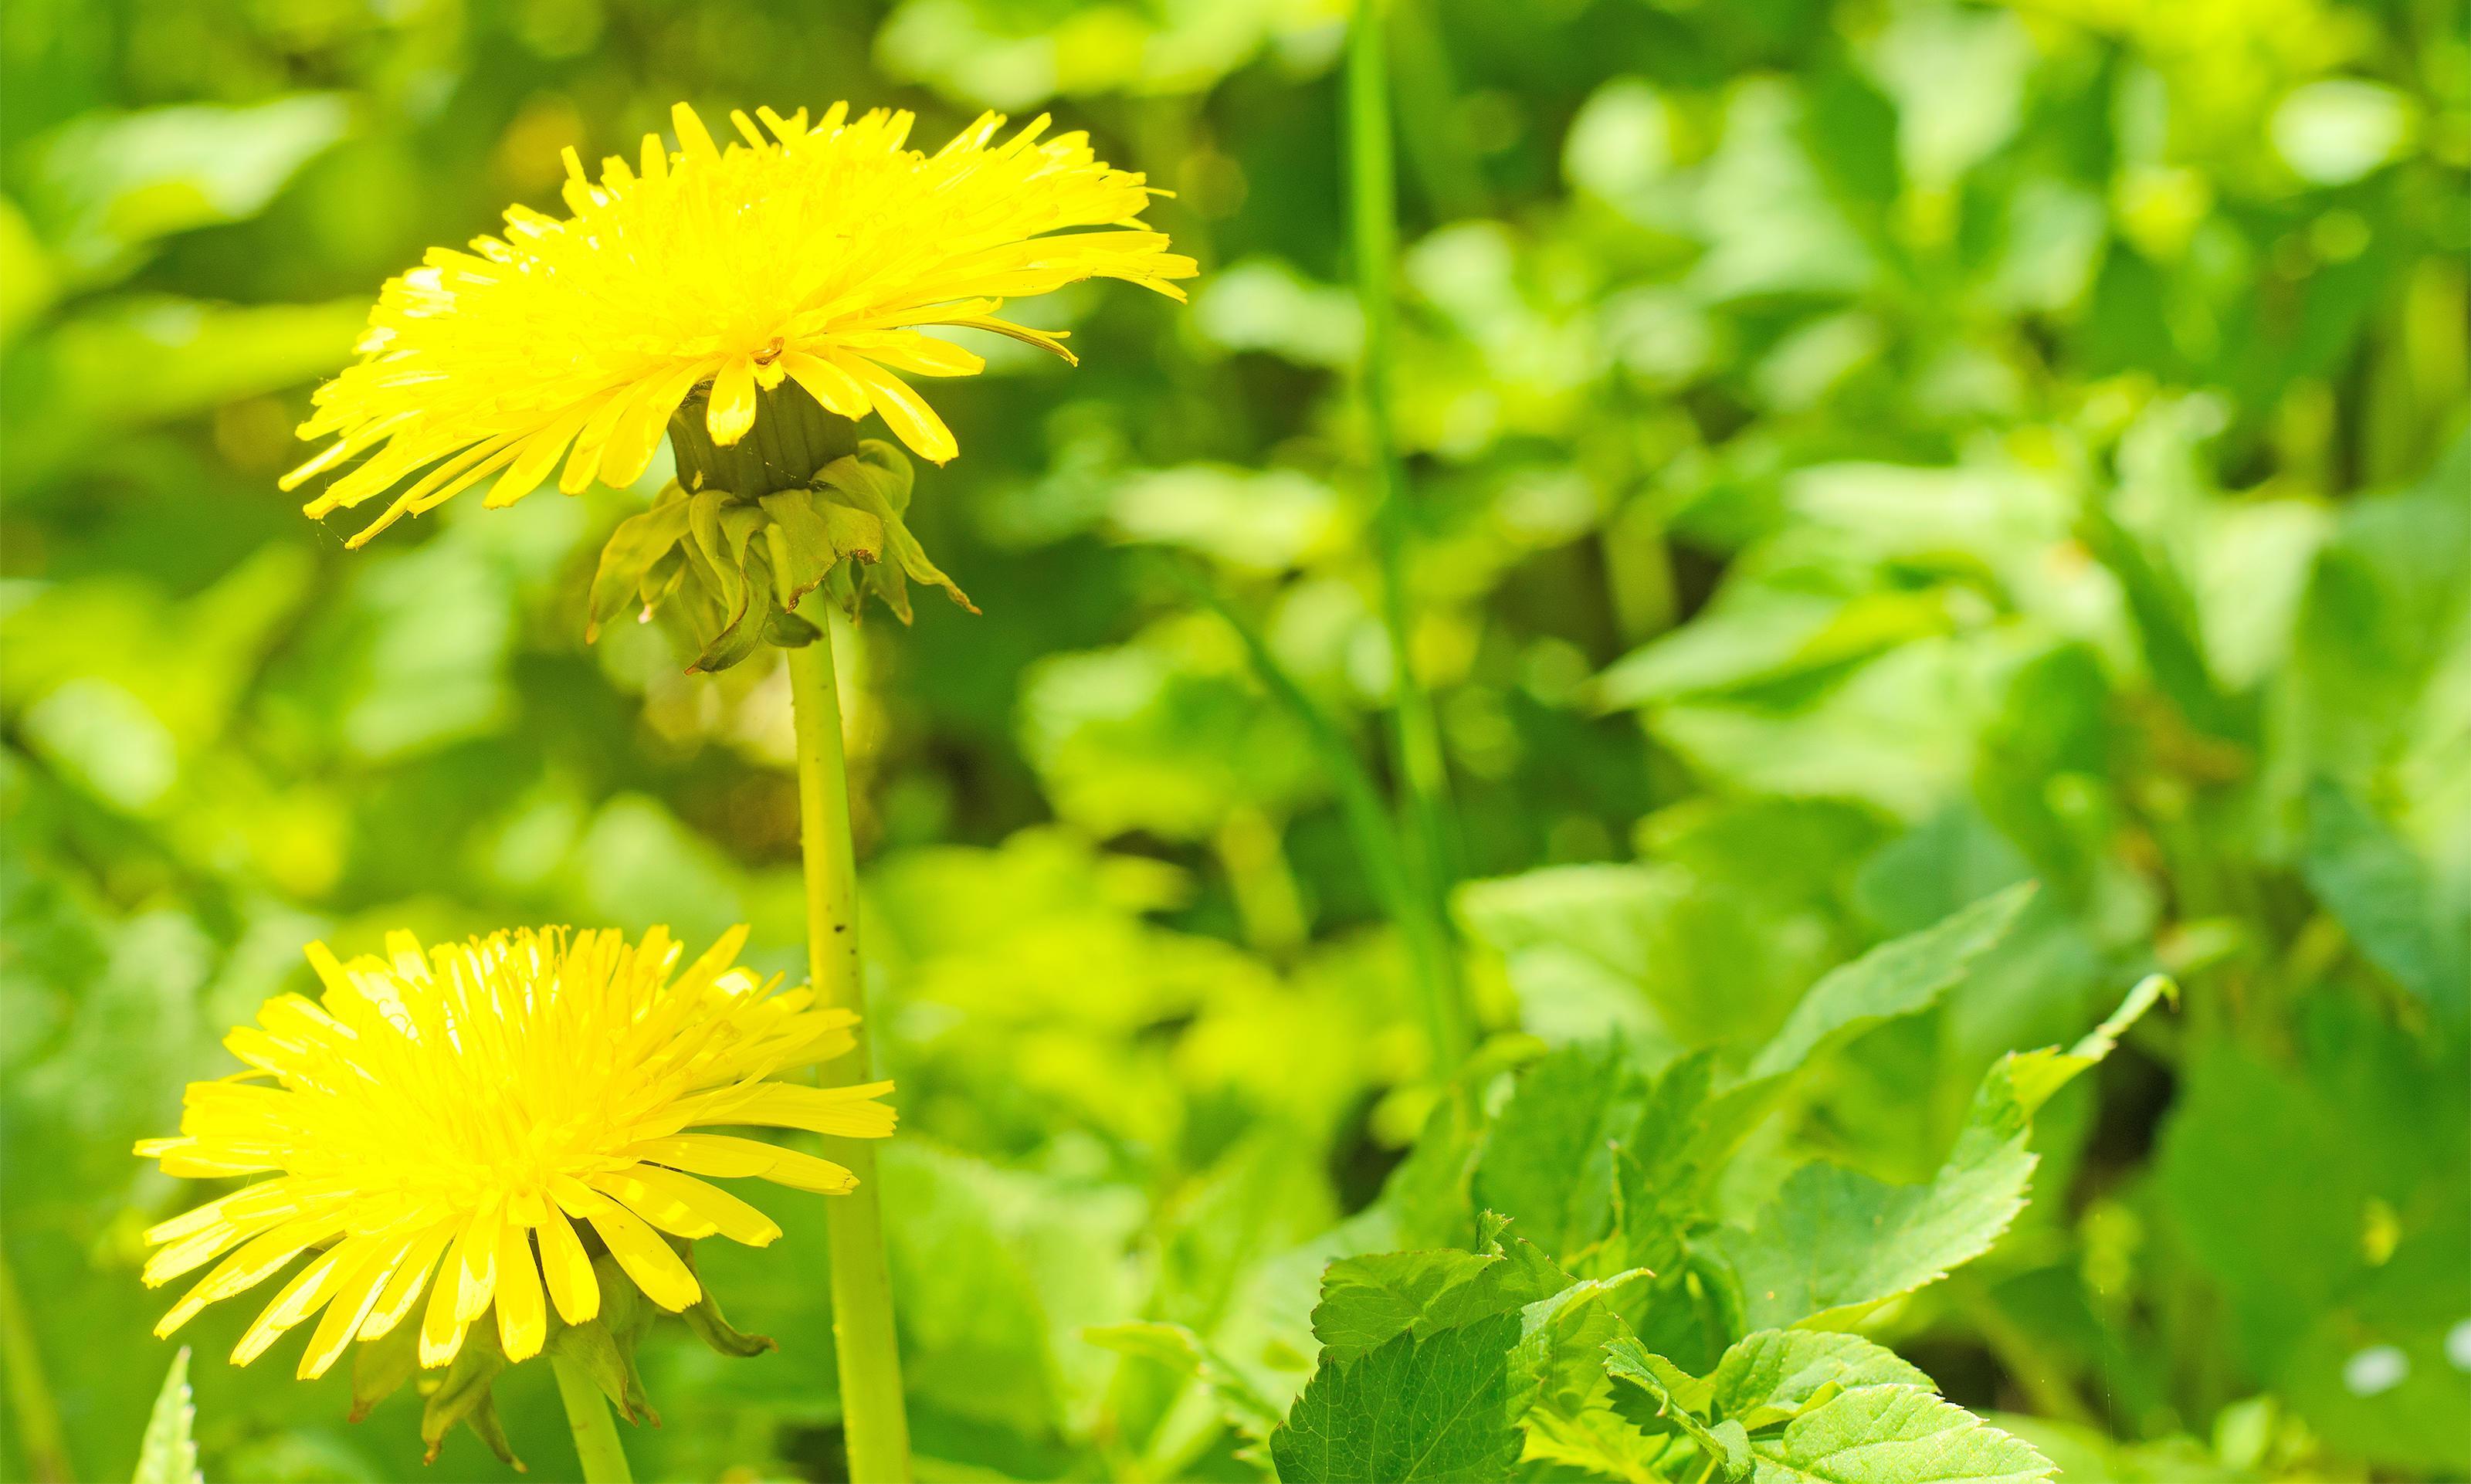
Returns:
(1868,453)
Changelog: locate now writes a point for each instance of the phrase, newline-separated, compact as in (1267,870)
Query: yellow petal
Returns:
(910,418)
(404,1288)
(252,1264)
(831,388)
(684,1206)
(523,1322)
(727,1156)
(353,1300)
(923,355)
(637,436)
(849,1111)
(695,142)
(475,1274)
(571,1287)
(732,410)
(303,1296)
(531,465)
(647,1259)
(442,1330)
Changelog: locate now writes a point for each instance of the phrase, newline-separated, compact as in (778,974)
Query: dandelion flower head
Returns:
(807,252)
(458,1129)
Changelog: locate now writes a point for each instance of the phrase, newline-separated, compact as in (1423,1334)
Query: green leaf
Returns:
(1658,1175)
(1411,1409)
(169,1454)
(1665,1398)
(1558,1365)
(1835,1241)
(1895,1434)
(107,184)
(1547,1160)
(1901,976)
(2386,898)
(1366,1301)
(1775,1374)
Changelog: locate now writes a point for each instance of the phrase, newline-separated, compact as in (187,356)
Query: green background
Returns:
(1867,453)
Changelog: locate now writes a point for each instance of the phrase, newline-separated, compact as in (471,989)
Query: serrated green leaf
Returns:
(1657,1177)
(1895,1435)
(169,1453)
(1660,1397)
(1835,1241)
(1558,1365)
(1547,1160)
(1900,977)
(1365,1301)
(1411,1409)
(1775,1374)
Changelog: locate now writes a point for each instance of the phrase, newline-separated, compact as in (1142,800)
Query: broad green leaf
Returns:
(1659,1184)
(2384,898)
(1409,1410)
(1547,1160)
(200,355)
(2324,1203)
(1662,1397)
(1775,1375)
(1894,1434)
(1835,1241)
(1365,1301)
(169,1453)
(1558,1365)
(1900,977)
(106,184)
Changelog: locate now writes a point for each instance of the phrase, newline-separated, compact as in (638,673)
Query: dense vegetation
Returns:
(1866,455)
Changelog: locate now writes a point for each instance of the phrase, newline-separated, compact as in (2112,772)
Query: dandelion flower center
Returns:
(812,254)
(456,1122)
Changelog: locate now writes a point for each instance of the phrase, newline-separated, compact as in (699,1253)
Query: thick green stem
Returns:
(595,1432)
(1372,202)
(872,1422)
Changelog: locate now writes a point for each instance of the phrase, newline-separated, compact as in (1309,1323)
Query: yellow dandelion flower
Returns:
(814,255)
(484,1115)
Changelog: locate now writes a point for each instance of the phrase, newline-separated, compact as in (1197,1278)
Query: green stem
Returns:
(1372,202)
(595,1432)
(39,1438)
(1371,827)
(874,1423)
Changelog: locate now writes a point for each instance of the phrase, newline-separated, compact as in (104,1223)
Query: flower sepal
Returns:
(731,569)
(603,1346)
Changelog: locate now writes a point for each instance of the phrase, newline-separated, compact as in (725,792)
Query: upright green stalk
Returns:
(39,1438)
(873,1423)
(596,1434)
(1373,209)
(1376,846)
